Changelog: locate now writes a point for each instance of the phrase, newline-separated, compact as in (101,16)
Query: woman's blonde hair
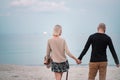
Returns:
(57,30)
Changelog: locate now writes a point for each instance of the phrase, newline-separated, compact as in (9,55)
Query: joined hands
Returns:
(118,65)
(78,61)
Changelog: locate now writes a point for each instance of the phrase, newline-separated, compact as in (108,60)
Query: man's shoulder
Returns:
(107,36)
(94,34)
(97,35)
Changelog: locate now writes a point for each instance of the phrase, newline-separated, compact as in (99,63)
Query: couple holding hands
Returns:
(57,48)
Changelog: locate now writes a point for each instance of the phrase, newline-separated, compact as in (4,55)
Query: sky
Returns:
(78,18)
(37,16)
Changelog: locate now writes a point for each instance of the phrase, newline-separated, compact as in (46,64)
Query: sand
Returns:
(20,72)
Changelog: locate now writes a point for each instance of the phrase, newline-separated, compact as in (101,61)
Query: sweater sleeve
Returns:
(48,50)
(67,50)
(85,48)
(111,47)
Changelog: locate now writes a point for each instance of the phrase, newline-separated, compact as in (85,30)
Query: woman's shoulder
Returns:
(54,39)
(49,39)
(62,39)
(59,38)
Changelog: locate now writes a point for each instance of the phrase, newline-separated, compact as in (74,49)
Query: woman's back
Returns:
(57,47)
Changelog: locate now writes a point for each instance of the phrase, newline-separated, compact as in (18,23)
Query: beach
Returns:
(21,72)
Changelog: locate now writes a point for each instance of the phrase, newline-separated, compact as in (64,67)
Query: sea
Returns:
(30,49)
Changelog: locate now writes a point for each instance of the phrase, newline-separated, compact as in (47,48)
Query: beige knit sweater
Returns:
(57,48)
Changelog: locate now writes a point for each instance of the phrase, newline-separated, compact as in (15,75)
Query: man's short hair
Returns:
(102,26)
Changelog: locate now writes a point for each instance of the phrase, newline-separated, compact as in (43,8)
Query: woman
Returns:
(56,48)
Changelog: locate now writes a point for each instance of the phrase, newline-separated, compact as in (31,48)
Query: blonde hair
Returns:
(102,26)
(57,30)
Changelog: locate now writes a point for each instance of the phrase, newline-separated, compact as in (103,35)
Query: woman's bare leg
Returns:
(58,75)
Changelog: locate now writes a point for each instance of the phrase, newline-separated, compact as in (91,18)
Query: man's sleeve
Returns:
(85,48)
(111,47)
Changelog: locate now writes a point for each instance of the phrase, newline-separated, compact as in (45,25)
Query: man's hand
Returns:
(78,61)
(118,65)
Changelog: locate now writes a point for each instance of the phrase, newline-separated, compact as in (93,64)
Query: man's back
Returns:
(99,44)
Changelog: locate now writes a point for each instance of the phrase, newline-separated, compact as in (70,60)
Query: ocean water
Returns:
(22,49)
(30,49)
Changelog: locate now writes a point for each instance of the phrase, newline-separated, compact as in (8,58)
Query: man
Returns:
(98,61)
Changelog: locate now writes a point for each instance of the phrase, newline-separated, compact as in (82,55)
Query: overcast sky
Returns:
(76,16)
